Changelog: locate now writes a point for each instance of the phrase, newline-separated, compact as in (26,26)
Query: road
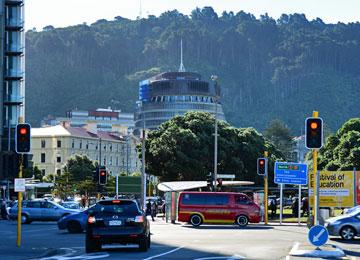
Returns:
(169,241)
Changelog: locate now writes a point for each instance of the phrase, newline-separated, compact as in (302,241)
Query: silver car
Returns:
(347,226)
(40,210)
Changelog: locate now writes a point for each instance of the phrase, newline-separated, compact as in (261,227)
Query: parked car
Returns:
(349,210)
(40,210)
(117,221)
(217,207)
(74,223)
(347,226)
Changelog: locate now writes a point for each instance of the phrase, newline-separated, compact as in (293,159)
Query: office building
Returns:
(174,93)
(53,146)
(106,119)
(12,90)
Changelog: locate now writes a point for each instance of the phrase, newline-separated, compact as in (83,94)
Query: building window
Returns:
(43,143)
(80,145)
(110,160)
(58,143)
(58,171)
(43,172)
(58,159)
(42,157)
(105,147)
(73,144)
(117,161)
(87,145)
(110,147)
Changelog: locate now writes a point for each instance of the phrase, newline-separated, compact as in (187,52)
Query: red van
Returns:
(217,207)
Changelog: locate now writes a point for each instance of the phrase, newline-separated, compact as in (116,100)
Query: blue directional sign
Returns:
(318,235)
(290,173)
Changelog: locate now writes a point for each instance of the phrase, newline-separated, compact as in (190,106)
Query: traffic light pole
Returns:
(18,241)
(315,182)
(266,186)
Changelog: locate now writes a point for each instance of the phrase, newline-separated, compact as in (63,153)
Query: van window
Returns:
(242,200)
(205,199)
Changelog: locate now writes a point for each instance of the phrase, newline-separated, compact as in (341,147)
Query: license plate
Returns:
(115,223)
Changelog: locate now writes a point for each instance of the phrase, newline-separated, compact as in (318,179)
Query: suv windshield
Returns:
(122,208)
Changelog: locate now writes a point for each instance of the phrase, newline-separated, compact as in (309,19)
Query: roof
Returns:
(188,185)
(59,130)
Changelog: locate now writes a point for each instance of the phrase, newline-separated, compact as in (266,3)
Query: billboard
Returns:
(336,189)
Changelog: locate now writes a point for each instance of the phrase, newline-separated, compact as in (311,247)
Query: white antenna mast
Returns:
(182,68)
(140,13)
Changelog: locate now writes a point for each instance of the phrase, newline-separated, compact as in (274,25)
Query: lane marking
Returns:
(166,253)
(234,257)
(69,252)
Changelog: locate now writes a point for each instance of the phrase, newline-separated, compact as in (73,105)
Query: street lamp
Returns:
(214,79)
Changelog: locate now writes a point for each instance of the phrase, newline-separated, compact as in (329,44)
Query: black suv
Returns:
(117,221)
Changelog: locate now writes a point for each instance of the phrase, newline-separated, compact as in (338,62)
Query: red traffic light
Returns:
(261,162)
(102,173)
(313,133)
(314,125)
(262,166)
(23,131)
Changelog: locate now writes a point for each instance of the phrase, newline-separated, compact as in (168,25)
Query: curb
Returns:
(336,253)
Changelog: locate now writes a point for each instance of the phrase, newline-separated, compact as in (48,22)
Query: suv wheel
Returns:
(91,245)
(74,227)
(347,233)
(242,221)
(144,244)
(196,220)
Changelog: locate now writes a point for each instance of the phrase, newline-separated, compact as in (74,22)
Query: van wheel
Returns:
(196,220)
(242,221)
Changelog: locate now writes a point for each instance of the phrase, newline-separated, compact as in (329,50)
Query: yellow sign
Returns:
(336,189)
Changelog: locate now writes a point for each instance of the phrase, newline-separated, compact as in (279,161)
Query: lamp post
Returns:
(214,79)
(143,175)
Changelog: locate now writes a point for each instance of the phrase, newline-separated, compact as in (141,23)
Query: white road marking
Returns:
(234,257)
(70,251)
(166,253)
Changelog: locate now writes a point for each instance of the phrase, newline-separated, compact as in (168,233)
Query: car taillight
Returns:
(91,220)
(139,219)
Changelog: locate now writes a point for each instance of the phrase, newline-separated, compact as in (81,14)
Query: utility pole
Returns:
(143,175)
(214,79)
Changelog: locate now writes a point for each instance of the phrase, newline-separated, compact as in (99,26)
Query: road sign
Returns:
(19,185)
(318,235)
(290,173)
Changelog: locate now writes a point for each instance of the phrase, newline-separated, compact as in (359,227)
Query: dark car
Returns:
(74,223)
(40,210)
(117,221)
(347,226)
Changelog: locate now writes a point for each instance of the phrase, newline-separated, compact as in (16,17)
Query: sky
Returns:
(62,13)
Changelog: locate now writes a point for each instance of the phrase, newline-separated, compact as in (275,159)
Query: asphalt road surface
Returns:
(169,241)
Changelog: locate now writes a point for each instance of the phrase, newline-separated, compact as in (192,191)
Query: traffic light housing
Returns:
(262,166)
(313,132)
(209,181)
(23,138)
(102,176)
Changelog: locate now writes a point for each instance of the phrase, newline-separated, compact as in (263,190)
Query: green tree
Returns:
(342,150)
(183,149)
(279,134)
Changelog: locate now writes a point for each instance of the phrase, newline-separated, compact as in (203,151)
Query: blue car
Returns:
(74,223)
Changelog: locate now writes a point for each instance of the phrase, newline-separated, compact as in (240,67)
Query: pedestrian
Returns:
(295,207)
(149,210)
(4,213)
(273,208)
(305,207)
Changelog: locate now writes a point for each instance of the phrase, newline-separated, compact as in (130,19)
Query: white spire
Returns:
(182,68)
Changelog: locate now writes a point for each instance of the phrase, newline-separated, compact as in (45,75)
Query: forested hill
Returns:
(267,68)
